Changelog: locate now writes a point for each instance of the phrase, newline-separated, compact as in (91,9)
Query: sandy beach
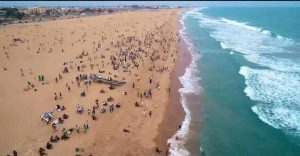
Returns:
(47,65)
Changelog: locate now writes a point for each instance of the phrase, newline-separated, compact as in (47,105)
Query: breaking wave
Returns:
(274,84)
(190,85)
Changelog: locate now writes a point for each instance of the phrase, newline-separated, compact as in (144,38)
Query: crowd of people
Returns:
(126,55)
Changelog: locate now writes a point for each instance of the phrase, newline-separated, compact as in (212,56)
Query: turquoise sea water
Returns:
(249,74)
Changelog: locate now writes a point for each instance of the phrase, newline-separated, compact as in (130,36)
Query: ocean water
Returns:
(246,75)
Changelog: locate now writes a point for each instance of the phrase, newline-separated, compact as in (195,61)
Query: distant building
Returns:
(36,9)
(41,10)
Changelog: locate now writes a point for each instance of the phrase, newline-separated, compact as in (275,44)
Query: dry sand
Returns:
(20,111)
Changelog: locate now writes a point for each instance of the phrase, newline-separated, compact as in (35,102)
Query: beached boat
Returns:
(109,80)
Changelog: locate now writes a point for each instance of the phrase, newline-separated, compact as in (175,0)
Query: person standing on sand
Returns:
(22,72)
(77,128)
(150,79)
(55,96)
(157,150)
(138,90)
(167,152)
(85,128)
(42,151)
(15,153)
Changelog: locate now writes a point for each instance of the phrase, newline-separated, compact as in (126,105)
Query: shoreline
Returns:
(174,114)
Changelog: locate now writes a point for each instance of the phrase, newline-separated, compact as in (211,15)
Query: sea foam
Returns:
(190,85)
(274,85)
(278,97)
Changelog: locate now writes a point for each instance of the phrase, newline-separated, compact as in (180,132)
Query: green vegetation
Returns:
(12,13)
(110,10)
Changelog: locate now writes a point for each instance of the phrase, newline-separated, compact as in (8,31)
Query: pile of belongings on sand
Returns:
(47,116)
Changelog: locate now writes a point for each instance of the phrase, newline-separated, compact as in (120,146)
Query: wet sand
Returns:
(91,43)
(174,114)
